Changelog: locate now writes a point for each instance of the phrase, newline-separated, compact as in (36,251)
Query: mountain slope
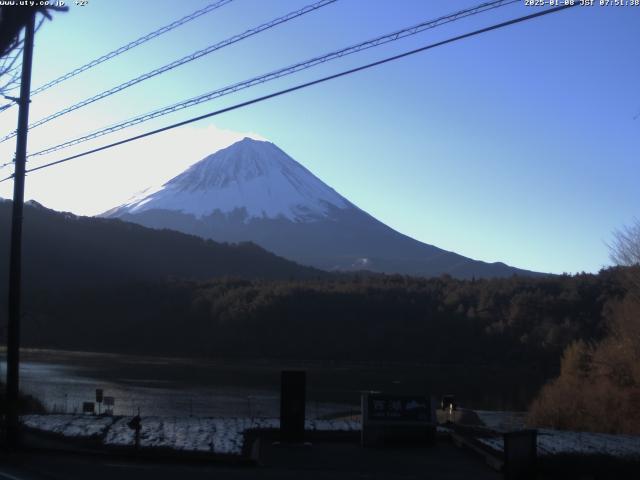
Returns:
(62,250)
(254,191)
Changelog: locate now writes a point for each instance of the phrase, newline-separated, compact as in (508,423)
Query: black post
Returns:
(292,406)
(520,455)
(15,261)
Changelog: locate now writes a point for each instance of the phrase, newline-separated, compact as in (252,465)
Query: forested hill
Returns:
(62,251)
(515,321)
(106,285)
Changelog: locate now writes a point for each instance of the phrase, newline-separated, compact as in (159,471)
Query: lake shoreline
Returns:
(36,354)
(64,379)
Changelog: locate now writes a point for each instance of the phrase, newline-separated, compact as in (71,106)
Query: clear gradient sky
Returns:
(519,145)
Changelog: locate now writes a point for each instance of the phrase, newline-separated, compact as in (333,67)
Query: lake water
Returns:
(226,388)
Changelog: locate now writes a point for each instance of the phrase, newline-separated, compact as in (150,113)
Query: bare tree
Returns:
(12,21)
(625,251)
(10,74)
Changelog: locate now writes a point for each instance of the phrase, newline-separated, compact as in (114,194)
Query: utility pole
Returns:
(15,260)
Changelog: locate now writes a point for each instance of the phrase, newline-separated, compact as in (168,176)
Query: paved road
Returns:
(321,461)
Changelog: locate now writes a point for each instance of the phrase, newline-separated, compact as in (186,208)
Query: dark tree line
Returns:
(360,317)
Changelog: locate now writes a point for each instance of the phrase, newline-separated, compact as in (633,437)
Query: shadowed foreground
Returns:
(321,461)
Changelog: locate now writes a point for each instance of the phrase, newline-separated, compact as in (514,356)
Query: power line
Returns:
(179,62)
(123,49)
(383,39)
(302,86)
(145,38)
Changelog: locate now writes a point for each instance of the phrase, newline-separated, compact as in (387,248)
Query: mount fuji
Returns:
(253,191)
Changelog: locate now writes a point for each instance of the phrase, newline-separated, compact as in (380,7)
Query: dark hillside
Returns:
(63,251)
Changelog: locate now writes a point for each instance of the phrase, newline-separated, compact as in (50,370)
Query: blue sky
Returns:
(519,145)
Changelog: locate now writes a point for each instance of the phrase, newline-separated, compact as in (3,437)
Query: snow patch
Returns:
(81,426)
(193,434)
(502,421)
(556,442)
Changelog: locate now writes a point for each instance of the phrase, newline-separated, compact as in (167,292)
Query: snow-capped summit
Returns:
(250,175)
(253,191)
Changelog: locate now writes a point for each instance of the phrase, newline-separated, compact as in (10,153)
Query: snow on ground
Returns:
(81,426)
(553,442)
(226,435)
(502,421)
(556,442)
(194,434)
